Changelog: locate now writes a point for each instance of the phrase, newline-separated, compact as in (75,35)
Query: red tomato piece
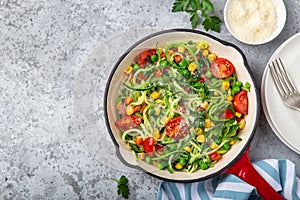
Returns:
(148,144)
(122,109)
(138,140)
(142,76)
(240,102)
(215,156)
(129,122)
(222,68)
(228,114)
(144,56)
(159,147)
(176,128)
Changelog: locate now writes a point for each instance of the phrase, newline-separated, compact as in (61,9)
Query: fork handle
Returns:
(245,171)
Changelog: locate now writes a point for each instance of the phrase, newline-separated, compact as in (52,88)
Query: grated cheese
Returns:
(252,21)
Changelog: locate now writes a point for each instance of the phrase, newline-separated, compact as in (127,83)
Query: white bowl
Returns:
(257,39)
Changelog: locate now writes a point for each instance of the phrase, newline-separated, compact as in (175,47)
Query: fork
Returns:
(284,84)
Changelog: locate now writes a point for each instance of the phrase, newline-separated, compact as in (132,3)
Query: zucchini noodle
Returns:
(175,109)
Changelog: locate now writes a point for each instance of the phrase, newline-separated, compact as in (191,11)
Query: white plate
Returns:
(284,121)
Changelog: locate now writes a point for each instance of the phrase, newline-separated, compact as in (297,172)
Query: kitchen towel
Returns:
(279,173)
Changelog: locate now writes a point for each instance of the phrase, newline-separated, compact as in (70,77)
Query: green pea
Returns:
(208,74)
(218,141)
(182,161)
(236,89)
(238,83)
(153,58)
(151,111)
(148,159)
(182,63)
(164,63)
(226,146)
(203,165)
(135,66)
(185,72)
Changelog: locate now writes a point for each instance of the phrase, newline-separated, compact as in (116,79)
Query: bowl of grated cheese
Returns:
(254,21)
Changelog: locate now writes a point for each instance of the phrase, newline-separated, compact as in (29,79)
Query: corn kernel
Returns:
(129,110)
(178,166)
(170,52)
(237,114)
(230,98)
(205,52)
(181,49)
(128,70)
(200,131)
(200,138)
(207,123)
(156,134)
(188,149)
(212,56)
(203,45)
(225,85)
(160,50)
(214,145)
(141,156)
(192,67)
(232,142)
(204,105)
(155,95)
(242,124)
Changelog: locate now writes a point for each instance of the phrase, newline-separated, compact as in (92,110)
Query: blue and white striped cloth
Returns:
(280,174)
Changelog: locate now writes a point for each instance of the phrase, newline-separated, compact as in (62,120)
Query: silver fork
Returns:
(284,84)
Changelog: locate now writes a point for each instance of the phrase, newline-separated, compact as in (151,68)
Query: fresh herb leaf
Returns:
(207,5)
(194,19)
(193,7)
(195,4)
(123,188)
(212,23)
(180,5)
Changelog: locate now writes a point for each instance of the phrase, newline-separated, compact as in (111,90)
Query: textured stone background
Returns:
(51,93)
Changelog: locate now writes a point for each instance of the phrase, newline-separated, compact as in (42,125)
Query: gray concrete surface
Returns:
(51,93)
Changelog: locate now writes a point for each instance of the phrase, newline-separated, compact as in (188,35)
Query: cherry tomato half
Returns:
(215,156)
(148,144)
(129,122)
(221,68)
(240,102)
(228,114)
(176,128)
(145,56)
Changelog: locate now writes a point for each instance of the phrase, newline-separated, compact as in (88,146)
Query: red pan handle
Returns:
(245,171)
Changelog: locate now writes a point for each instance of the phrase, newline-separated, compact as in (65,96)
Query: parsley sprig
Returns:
(206,8)
(123,189)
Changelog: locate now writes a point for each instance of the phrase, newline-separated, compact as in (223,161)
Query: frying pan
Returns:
(236,161)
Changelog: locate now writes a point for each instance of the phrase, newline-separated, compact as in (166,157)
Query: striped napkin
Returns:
(279,173)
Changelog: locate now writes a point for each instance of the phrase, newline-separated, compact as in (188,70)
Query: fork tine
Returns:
(287,78)
(276,79)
